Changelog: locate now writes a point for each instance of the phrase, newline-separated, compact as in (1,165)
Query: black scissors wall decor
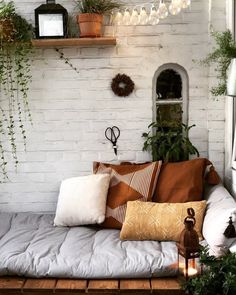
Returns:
(112,134)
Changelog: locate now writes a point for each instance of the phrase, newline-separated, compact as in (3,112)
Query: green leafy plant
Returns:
(97,6)
(15,49)
(218,278)
(221,56)
(169,141)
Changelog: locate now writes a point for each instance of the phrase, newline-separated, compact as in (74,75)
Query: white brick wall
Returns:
(71,111)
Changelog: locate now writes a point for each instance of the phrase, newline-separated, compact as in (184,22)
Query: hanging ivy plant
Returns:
(223,52)
(15,49)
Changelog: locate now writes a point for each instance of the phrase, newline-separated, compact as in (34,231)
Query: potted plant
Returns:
(221,56)
(169,141)
(91,14)
(218,278)
(15,48)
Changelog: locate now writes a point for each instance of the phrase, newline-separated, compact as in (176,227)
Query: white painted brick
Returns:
(216,125)
(216,136)
(142,157)
(71,111)
(216,115)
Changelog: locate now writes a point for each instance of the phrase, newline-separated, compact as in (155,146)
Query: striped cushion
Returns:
(128,183)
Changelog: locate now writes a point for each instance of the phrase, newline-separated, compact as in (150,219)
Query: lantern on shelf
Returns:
(188,248)
(51,20)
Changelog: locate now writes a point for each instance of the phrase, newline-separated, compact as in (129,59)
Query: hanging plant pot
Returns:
(90,25)
(7,30)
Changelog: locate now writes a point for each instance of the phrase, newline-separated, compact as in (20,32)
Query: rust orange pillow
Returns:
(183,181)
(128,183)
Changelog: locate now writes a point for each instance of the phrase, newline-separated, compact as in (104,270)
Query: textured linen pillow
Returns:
(183,181)
(128,183)
(161,222)
(82,200)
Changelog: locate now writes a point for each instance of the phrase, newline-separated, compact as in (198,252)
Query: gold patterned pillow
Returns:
(159,221)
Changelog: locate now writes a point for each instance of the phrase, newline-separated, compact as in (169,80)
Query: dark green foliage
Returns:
(221,56)
(218,278)
(15,50)
(97,6)
(169,144)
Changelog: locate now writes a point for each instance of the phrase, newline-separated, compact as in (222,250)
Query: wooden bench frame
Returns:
(19,285)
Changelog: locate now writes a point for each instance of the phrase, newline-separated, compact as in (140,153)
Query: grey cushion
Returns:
(31,246)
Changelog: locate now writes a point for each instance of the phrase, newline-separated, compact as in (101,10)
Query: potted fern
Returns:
(91,14)
(15,48)
(169,141)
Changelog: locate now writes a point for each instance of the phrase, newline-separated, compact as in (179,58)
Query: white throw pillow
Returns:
(82,200)
(220,206)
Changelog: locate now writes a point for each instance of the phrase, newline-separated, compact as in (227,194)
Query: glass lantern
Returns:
(188,248)
(51,20)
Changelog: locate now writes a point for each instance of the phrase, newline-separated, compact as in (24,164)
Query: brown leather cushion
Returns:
(128,183)
(183,181)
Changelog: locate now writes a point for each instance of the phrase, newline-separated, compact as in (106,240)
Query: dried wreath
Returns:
(122,85)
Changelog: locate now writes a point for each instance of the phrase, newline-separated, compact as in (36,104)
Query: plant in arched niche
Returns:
(169,140)
(15,48)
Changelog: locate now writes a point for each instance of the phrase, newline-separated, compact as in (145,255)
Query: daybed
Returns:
(31,246)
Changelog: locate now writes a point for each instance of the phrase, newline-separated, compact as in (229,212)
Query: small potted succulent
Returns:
(91,14)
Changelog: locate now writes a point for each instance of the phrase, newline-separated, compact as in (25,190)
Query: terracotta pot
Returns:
(90,25)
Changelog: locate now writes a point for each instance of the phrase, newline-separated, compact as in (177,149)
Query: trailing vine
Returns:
(66,60)
(15,49)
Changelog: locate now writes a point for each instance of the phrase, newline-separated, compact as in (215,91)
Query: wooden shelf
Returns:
(108,41)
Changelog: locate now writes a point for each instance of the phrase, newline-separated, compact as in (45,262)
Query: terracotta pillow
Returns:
(184,181)
(160,222)
(128,183)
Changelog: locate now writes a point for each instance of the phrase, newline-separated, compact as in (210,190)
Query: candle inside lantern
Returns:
(191,272)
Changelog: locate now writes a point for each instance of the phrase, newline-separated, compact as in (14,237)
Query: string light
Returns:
(147,14)
(162,10)
(153,18)
(175,7)
(143,16)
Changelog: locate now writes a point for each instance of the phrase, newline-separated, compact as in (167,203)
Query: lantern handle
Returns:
(190,217)
(191,212)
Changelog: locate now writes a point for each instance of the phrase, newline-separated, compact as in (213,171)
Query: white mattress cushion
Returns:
(82,200)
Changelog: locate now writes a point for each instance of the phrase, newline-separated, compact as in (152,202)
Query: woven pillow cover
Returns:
(161,222)
(128,183)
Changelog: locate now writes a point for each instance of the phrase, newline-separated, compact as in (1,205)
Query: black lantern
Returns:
(51,20)
(188,248)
